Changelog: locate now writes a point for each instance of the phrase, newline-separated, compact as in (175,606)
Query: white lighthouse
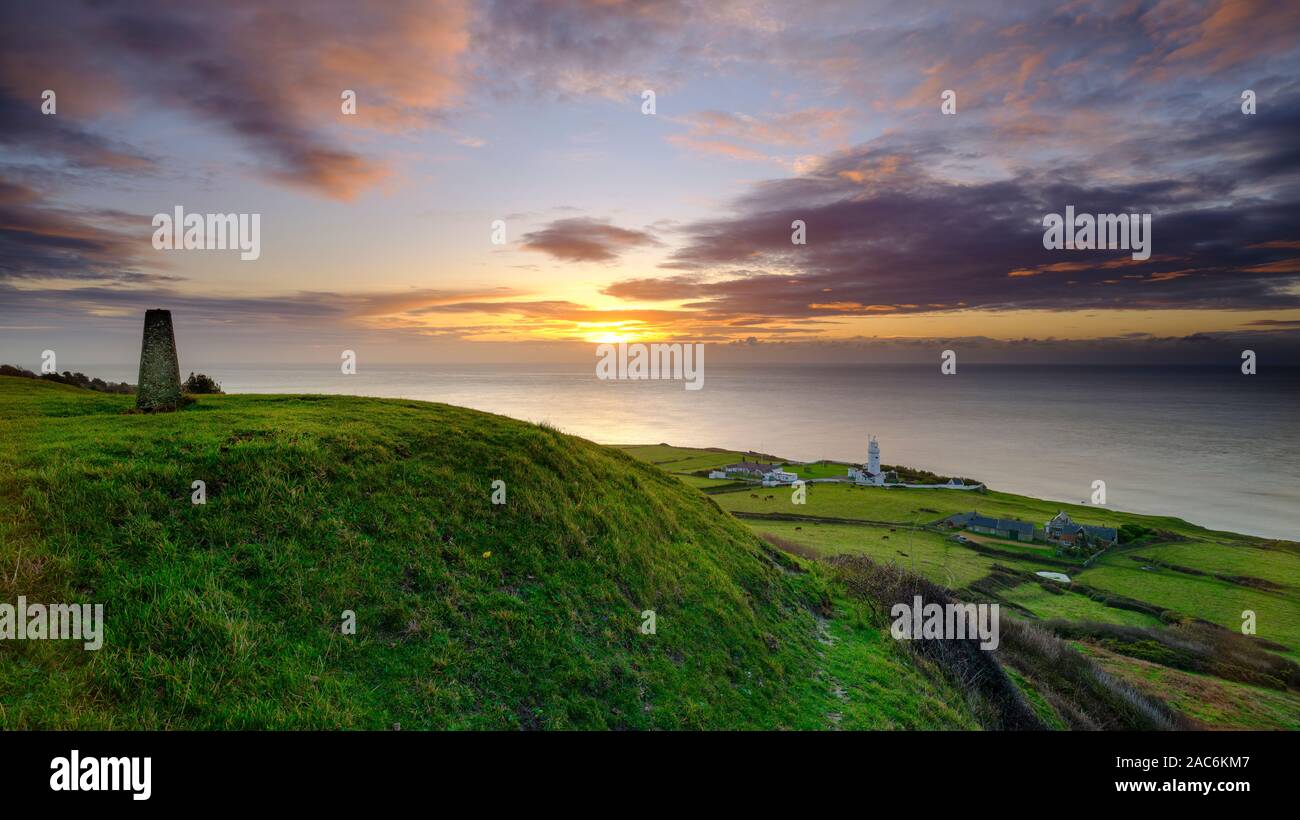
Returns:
(869,473)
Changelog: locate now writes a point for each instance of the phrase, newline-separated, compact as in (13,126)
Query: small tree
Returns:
(201,384)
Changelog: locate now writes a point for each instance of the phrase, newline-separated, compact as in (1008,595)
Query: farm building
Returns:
(769,474)
(1061,530)
(997,527)
(752,469)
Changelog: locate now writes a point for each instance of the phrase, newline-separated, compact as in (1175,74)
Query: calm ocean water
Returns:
(1206,444)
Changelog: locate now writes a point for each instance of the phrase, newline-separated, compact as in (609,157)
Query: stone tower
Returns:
(160,373)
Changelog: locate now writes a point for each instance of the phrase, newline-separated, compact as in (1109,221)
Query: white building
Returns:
(770,474)
(869,473)
(778,476)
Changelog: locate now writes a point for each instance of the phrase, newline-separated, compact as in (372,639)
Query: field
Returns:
(685,460)
(1212,701)
(930,554)
(1169,574)
(1278,615)
(469,615)
(1232,558)
(1072,606)
(818,470)
(528,614)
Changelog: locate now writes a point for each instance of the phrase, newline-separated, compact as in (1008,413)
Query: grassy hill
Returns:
(1163,614)
(469,614)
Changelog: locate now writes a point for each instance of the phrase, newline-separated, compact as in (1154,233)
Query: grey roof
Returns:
(976,520)
(752,466)
(1103,533)
(1015,526)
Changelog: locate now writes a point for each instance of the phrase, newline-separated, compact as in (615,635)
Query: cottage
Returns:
(751,469)
(770,474)
(779,476)
(1061,530)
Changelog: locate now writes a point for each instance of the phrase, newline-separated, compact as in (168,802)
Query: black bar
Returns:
(234,769)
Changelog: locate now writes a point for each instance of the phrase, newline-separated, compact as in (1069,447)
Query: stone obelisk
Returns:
(160,373)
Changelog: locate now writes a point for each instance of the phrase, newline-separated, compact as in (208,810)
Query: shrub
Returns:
(201,384)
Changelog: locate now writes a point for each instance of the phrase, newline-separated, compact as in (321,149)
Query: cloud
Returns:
(888,233)
(611,49)
(303,309)
(582,239)
(53,137)
(40,240)
(270,75)
(732,134)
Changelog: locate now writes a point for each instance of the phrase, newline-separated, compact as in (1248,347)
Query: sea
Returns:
(1210,445)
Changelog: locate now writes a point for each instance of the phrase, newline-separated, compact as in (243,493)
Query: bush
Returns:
(201,384)
(1129,533)
(66,377)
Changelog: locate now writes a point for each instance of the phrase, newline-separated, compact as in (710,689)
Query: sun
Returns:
(611,333)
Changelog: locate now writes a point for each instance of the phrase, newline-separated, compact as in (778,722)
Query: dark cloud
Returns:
(581,47)
(884,235)
(40,240)
(269,74)
(582,239)
(306,309)
(25,128)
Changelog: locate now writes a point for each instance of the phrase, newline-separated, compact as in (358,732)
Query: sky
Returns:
(923,229)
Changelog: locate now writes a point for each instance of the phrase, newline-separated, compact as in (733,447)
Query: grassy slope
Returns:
(1072,607)
(1206,597)
(1213,701)
(927,553)
(469,614)
(941,561)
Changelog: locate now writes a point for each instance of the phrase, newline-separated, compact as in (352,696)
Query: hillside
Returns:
(469,614)
(1162,613)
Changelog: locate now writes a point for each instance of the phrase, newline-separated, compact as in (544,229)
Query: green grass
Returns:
(857,686)
(1036,700)
(684,459)
(926,553)
(1205,597)
(1215,702)
(818,470)
(703,483)
(1072,606)
(939,559)
(904,505)
(1116,572)
(1277,614)
(1231,558)
(470,615)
